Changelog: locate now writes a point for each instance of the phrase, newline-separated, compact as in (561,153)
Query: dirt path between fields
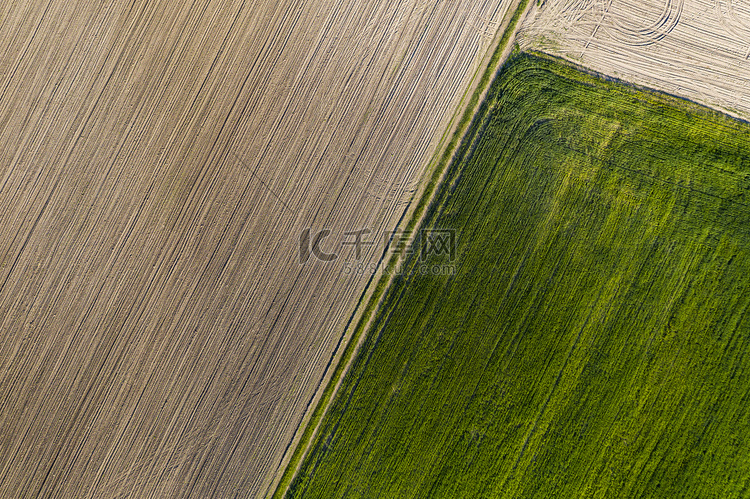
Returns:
(369,303)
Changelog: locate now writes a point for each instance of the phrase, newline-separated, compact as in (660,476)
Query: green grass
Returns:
(595,339)
(435,169)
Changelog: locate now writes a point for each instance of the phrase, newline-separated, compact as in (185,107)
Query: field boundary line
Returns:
(692,104)
(426,195)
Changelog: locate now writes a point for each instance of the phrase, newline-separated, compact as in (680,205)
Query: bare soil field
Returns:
(158,163)
(695,49)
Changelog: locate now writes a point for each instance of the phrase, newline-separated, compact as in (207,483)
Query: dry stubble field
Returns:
(158,161)
(695,49)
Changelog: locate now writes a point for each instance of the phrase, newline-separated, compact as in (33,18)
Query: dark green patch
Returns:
(594,340)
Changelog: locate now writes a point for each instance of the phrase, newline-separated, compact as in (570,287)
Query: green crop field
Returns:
(594,340)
